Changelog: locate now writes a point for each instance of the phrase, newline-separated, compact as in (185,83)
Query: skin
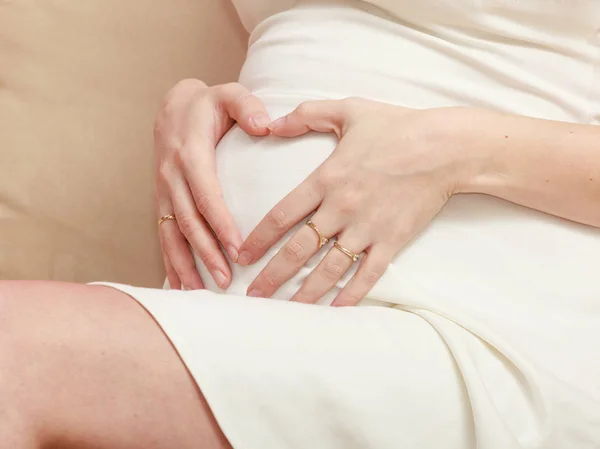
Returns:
(87,367)
(395,168)
(190,123)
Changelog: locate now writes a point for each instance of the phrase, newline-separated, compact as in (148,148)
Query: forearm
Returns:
(546,165)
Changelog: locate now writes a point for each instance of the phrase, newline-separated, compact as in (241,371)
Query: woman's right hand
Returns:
(190,123)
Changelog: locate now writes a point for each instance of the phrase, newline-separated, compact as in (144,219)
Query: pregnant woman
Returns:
(436,164)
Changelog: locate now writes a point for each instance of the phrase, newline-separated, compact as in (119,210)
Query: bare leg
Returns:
(87,367)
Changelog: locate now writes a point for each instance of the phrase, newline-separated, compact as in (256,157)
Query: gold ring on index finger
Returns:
(322,239)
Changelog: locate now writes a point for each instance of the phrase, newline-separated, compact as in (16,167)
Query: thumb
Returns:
(324,116)
(245,108)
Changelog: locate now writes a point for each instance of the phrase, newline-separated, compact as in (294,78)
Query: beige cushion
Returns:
(80,82)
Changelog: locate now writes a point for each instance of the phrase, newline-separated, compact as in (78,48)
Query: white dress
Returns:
(485,332)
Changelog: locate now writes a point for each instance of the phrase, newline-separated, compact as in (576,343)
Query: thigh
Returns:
(290,375)
(87,366)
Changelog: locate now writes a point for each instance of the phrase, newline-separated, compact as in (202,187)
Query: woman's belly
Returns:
(332,50)
(514,277)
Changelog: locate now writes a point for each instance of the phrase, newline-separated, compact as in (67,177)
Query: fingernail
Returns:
(255,293)
(260,121)
(278,123)
(233,254)
(245,258)
(220,278)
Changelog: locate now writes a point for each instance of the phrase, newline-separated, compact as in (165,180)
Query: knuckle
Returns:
(210,258)
(184,155)
(372,275)
(206,102)
(332,270)
(173,277)
(182,91)
(401,234)
(188,225)
(166,142)
(168,246)
(158,129)
(189,84)
(164,113)
(349,298)
(331,175)
(164,172)
(187,276)
(227,91)
(269,280)
(186,270)
(293,251)
(347,202)
(256,242)
(277,218)
(304,109)
(220,230)
(242,102)
(227,87)
(183,264)
(179,94)
(304,296)
(203,200)
(320,183)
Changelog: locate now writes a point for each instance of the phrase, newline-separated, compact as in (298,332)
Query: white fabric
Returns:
(485,332)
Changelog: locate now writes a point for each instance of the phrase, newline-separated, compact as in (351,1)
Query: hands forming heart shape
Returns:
(392,171)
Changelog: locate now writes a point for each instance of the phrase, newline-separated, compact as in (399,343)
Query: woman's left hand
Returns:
(392,171)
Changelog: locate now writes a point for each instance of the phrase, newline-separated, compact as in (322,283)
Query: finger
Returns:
(331,269)
(180,256)
(209,119)
(196,231)
(297,205)
(199,168)
(245,108)
(174,281)
(174,245)
(369,272)
(291,257)
(321,116)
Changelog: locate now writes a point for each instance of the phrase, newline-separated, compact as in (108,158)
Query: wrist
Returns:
(470,135)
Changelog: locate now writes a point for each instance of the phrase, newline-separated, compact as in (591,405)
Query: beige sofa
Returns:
(80,82)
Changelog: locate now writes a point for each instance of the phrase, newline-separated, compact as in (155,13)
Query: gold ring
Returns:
(167,217)
(322,240)
(347,252)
